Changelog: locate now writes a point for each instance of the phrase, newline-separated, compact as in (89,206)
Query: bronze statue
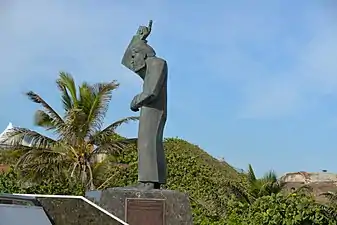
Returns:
(152,102)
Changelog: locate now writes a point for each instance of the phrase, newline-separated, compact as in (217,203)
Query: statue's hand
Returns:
(133,105)
(143,32)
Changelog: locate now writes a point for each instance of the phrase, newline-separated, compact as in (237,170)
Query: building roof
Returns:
(8,128)
(308,177)
(3,135)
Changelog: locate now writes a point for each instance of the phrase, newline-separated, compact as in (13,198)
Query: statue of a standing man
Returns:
(152,102)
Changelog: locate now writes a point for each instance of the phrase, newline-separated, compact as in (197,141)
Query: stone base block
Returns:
(74,212)
(154,207)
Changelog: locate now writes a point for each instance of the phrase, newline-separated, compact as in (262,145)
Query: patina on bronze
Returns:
(139,211)
(152,103)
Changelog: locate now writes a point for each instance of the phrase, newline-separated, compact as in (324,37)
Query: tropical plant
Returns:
(265,186)
(257,187)
(79,136)
(10,182)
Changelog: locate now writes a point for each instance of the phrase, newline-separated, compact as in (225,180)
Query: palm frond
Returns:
(66,99)
(106,134)
(86,101)
(86,97)
(269,188)
(112,127)
(114,146)
(101,97)
(251,174)
(270,176)
(37,164)
(42,119)
(72,132)
(19,137)
(54,117)
(66,84)
(98,167)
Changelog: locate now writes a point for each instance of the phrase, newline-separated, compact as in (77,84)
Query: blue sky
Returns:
(253,82)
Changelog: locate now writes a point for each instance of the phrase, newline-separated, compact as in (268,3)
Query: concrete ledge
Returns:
(74,210)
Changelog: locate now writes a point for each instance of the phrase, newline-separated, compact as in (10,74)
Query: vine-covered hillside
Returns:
(190,170)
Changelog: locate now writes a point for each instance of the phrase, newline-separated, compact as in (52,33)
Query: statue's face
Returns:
(137,60)
(135,56)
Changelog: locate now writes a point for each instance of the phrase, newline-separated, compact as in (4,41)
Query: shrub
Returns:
(10,183)
(190,170)
(293,209)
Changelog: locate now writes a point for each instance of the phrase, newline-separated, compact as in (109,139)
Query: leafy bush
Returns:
(190,170)
(10,183)
(9,157)
(207,182)
(293,209)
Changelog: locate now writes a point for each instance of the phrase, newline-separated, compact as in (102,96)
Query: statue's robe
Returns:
(153,113)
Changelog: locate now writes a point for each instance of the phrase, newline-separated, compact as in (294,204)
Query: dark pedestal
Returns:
(74,212)
(158,207)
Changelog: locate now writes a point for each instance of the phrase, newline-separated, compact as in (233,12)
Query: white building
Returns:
(3,135)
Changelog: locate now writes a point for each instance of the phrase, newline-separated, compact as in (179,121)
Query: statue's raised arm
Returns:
(143,32)
(139,39)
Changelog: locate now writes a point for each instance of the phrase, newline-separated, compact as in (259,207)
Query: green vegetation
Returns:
(213,187)
(278,209)
(10,182)
(257,188)
(79,134)
(190,170)
(219,194)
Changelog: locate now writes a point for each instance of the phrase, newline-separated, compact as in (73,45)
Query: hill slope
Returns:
(190,170)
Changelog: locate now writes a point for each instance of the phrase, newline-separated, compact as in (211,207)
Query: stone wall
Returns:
(309,177)
(318,182)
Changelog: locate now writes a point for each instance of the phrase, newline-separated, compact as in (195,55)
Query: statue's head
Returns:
(136,54)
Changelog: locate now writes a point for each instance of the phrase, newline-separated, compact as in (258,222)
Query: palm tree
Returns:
(267,185)
(257,187)
(79,133)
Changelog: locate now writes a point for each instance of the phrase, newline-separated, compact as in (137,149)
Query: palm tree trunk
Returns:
(73,170)
(83,175)
(91,178)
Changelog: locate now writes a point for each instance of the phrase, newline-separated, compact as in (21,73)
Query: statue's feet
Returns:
(145,186)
